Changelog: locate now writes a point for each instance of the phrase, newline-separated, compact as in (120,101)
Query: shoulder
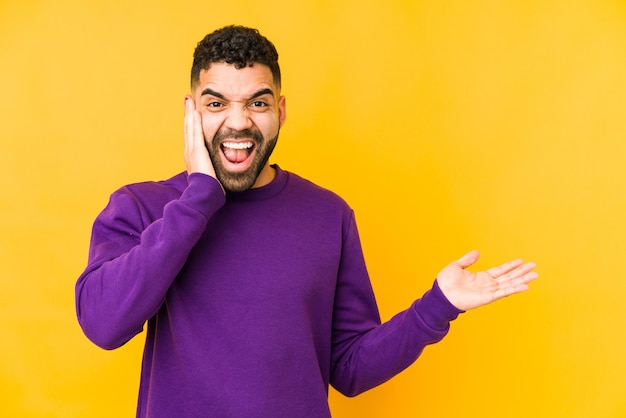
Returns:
(148,197)
(309,190)
(313,200)
(148,191)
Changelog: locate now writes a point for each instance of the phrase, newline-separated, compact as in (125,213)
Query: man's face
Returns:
(242,112)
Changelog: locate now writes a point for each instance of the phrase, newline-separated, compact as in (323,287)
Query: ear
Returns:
(282,110)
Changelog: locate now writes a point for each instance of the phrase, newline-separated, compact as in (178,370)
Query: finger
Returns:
(468,259)
(194,137)
(188,122)
(503,269)
(516,284)
(193,131)
(516,279)
(517,272)
(510,290)
(198,135)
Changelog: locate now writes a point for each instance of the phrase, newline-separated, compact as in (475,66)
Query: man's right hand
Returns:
(197,157)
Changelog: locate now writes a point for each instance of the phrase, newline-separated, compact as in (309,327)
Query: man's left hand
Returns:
(467,290)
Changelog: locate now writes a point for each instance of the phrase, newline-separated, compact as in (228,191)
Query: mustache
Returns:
(234,134)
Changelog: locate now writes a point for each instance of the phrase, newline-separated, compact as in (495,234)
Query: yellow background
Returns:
(447,125)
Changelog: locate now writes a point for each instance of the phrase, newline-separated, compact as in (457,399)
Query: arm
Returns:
(366,353)
(134,257)
(131,266)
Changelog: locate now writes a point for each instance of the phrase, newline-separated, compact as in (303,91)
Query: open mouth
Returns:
(237,152)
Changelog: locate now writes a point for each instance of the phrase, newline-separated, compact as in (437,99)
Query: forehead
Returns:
(232,82)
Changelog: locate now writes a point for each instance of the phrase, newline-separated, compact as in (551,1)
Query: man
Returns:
(252,279)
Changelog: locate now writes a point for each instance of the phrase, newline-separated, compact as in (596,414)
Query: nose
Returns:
(238,118)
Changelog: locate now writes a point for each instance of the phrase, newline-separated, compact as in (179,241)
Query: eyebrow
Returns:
(208,91)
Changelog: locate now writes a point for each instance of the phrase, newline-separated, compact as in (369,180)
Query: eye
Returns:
(215,106)
(258,105)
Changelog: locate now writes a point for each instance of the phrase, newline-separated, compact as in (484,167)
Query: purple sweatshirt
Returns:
(254,301)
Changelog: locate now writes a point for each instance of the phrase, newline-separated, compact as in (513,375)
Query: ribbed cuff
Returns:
(203,193)
(436,310)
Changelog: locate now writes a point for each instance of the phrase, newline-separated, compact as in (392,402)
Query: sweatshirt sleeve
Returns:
(366,353)
(134,259)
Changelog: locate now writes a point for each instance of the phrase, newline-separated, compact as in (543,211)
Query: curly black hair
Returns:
(238,45)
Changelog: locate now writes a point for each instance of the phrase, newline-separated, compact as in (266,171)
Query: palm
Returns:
(467,290)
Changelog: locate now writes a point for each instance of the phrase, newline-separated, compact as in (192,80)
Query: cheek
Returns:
(268,125)
(210,125)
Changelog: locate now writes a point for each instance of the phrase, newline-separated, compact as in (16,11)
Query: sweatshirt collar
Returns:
(261,193)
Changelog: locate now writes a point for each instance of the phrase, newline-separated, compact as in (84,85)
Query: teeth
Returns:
(237,145)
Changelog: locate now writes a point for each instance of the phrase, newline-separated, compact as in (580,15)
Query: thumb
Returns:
(469,259)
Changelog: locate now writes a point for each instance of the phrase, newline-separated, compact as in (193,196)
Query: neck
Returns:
(265,177)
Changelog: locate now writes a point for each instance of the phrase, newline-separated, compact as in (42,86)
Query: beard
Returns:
(241,180)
